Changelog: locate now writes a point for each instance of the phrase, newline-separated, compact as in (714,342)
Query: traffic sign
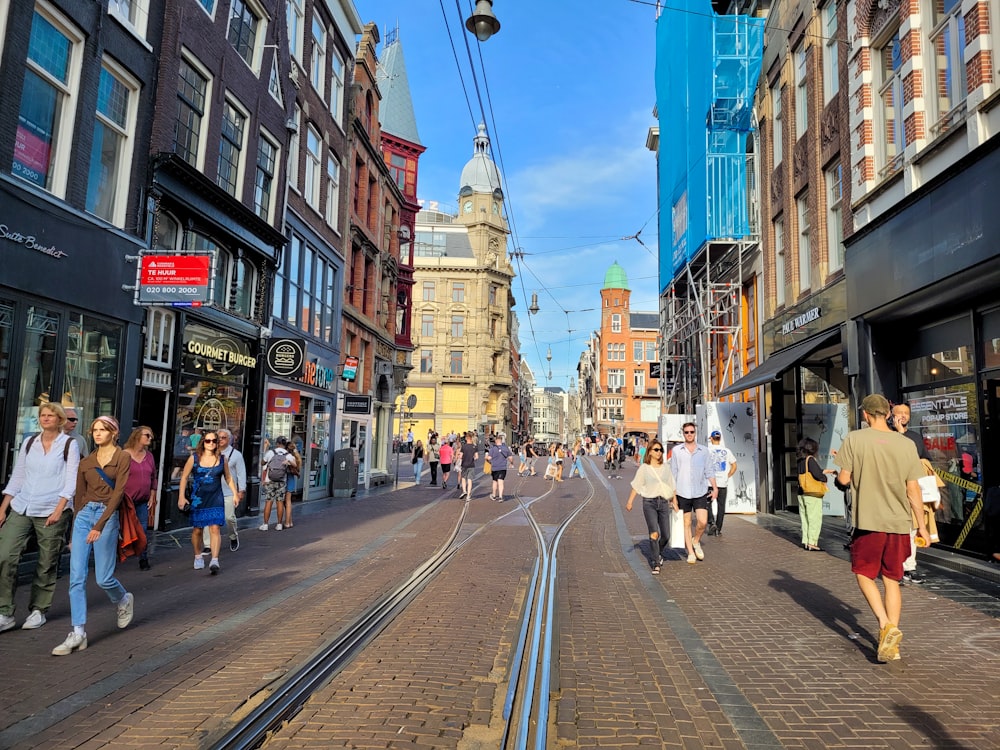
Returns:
(174,279)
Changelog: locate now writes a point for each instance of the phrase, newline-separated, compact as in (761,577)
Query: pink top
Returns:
(141,479)
(446,453)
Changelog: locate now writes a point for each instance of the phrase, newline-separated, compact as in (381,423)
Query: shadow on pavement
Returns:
(928,726)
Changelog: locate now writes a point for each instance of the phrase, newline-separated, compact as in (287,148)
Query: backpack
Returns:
(276,467)
(27,446)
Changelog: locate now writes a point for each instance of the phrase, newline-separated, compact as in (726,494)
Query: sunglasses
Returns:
(147,435)
(689,432)
(209,440)
(656,450)
(72,419)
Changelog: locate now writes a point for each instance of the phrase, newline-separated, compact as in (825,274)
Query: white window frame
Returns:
(801,58)
(950,27)
(427,325)
(260,34)
(333,191)
(777,122)
(637,349)
(132,14)
(779,262)
(210,11)
(428,290)
(295,17)
(834,221)
(831,52)
(616,323)
(159,339)
(294,150)
(265,136)
(314,168)
(123,176)
(241,159)
(63,128)
(4,12)
(317,56)
(805,246)
(888,83)
(337,69)
(638,382)
(274,83)
(206,115)
(616,379)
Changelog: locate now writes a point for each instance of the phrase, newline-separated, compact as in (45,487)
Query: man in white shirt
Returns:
(694,474)
(274,480)
(238,471)
(725,466)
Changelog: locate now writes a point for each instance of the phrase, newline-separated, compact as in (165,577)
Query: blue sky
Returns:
(571,85)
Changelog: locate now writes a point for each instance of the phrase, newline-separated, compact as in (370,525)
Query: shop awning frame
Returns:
(773,367)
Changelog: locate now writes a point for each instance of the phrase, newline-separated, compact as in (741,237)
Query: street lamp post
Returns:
(482,22)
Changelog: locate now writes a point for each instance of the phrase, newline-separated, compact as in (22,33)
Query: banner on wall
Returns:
(827,424)
(283,402)
(737,422)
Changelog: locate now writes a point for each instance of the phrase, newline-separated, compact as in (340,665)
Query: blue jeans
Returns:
(418,468)
(105,559)
(142,513)
(578,467)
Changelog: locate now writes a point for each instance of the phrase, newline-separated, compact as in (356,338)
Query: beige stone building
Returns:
(462,308)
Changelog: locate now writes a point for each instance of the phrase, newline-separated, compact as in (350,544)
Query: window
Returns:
(244,25)
(779,263)
(805,256)
(458,291)
(295,16)
(890,136)
(493,293)
(457,326)
(208,5)
(777,146)
(44,136)
(638,381)
(426,360)
(133,13)
(304,291)
(831,74)
(274,83)
(160,326)
(231,148)
(616,323)
(616,379)
(637,351)
(313,167)
(651,351)
(947,54)
(834,223)
(336,85)
(455,364)
(332,191)
(317,68)
(801,93)
(235,277)
(426,325)
(428,295)
(267,161)
(192,93)
(294,143)
(111,153)
(397,168)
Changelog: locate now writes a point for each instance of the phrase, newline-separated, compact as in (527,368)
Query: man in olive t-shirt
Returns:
(882,468)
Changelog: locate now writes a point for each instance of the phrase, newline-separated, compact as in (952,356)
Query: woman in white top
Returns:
(654,481)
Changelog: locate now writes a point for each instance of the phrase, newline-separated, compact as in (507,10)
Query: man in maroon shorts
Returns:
(882,469)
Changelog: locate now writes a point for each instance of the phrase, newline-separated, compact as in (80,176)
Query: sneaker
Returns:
(889,639)
(143,563)
(234,543)
(35,620)
(125,610)
(656,570)
(659,562)
(199,563)
(912,576)
(444,485)
(214,566)
(73,642)
(712,530)
(698,552)
(692,559)
(278,527)
(262,527)
(7,622)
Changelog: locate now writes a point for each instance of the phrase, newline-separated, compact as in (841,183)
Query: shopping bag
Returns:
(487,466)
(929,489)
(550,471)
(677,529)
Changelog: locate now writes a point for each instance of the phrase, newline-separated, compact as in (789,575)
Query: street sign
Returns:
(176,280)
(350,368)
(411,401)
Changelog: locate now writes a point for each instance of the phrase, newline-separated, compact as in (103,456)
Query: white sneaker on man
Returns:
(199,563)
(35,620)
(7,622)
(74,642)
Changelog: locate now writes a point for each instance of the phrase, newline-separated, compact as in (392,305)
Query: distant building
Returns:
(549,414)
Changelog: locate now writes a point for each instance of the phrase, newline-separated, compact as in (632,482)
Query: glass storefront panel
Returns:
(92,367)
(37,368)
(319,444)
(943,365)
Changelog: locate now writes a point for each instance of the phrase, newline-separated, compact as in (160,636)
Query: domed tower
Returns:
(615,297)
(480,197)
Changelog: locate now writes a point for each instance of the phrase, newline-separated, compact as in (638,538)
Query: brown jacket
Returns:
(91,487)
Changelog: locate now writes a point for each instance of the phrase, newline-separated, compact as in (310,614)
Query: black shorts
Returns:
(687,504)
(499,474)
(445,468)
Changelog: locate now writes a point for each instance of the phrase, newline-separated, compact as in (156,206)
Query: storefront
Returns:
(69,332)
(301,394)
(356,429)
(924,287)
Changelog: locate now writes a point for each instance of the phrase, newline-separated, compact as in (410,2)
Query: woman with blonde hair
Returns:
(654,481)
(141,485)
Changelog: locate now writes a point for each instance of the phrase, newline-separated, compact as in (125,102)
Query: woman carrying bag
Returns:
(654,481)
(812,487)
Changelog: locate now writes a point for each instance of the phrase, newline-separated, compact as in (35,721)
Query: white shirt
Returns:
(40,479)
(722,460)
(693,472)
(654,481)
(237,470)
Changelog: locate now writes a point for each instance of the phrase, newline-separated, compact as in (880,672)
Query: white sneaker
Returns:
(35,620)
(72,643)
(125,610)
(7,622)
(199,563)
(262,527)
(214,566)
(278,527)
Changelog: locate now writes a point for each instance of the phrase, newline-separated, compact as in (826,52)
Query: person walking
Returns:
(273,478)
(446,454)
(292,483)
(883,470)
(100,486)
(433,457)
(654,482)
(207,468)
(725,466)
(238,471)
(418,461)
(41,488)
(470,454)
(694,474)
(810,505)
(577,460)
(901,424)
(141,485)
(530,457)
(500,455)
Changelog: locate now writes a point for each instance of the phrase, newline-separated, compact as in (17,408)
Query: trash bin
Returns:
(345,473)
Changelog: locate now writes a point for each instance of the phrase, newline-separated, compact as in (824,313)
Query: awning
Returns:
(776,364)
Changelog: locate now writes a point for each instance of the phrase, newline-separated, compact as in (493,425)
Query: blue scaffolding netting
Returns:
(707,68)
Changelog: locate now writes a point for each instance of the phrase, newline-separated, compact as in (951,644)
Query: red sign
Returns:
(283,402)
(174,279)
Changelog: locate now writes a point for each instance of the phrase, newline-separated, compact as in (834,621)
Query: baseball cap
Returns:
(715,435)
(875,404)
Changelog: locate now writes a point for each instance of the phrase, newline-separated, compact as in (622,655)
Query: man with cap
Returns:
(725,466)
(274,482)
(882,469)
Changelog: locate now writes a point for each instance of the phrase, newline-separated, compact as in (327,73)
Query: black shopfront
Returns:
(923,296)
(69,332)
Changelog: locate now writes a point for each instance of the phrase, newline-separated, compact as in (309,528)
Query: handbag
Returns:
(487,466)
(810,485)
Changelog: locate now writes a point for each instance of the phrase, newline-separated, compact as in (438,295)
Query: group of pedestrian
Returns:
(281,467)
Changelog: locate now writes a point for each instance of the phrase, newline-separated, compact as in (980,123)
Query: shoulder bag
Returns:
(810,485)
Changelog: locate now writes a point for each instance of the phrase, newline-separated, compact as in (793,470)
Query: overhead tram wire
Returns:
(458,67)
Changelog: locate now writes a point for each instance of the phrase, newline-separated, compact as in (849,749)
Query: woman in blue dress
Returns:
(207,468)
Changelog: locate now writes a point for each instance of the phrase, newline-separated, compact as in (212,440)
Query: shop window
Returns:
(38,367)
(93,363)
(943,365)
(167,233)
(111,153)
(193,86)
(44,136)
(991,340)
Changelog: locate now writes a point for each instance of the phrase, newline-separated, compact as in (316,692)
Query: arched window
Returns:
(166,232)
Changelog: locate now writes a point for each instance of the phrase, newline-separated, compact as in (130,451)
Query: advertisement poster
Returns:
(827,424)
(738,424)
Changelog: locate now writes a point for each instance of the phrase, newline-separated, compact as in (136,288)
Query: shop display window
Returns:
(944,365)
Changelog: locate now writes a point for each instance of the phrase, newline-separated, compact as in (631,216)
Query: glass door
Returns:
(7,376)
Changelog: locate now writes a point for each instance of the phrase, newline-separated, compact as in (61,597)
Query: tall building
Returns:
(627,399)
(462,331)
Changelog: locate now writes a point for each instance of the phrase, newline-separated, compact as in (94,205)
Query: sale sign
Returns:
(179,280)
